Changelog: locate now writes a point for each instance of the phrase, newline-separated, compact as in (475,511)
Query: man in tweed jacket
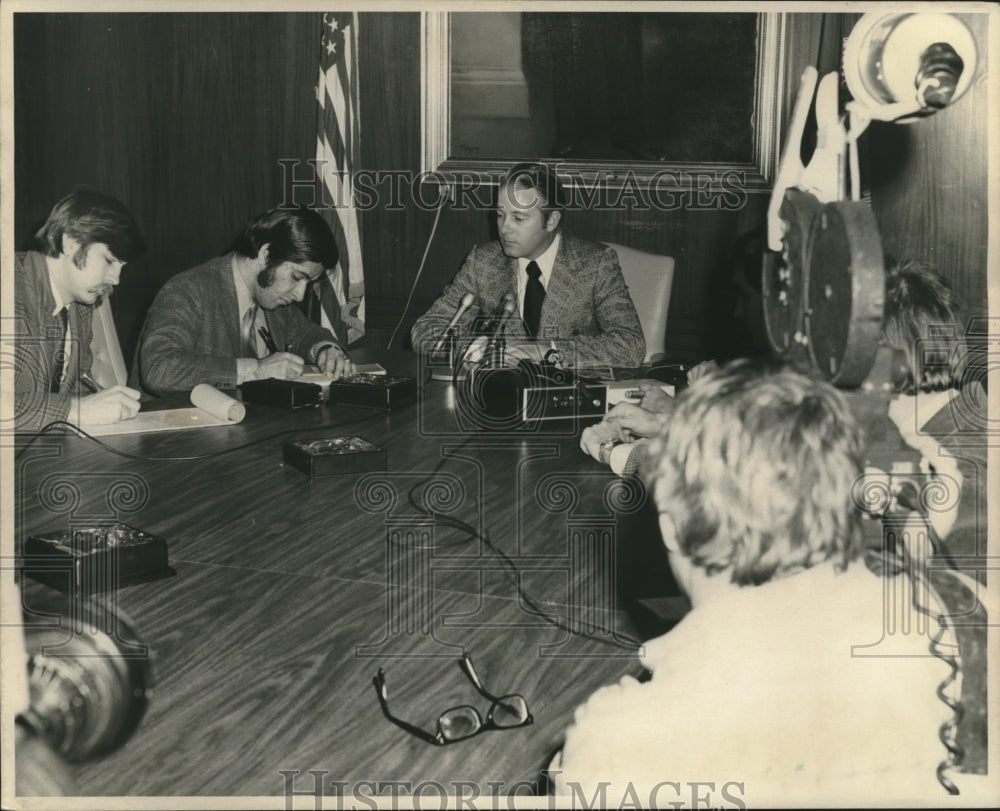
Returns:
(232,319)
(77,258)
(586,311)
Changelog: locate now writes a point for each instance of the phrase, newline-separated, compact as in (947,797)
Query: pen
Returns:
(90,383)
(265,333)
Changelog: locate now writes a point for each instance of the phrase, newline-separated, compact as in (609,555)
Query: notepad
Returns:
(311,374)
(210,407)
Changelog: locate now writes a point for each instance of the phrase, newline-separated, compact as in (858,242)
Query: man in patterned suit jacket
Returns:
(231,319)
(585,309)
(77,259)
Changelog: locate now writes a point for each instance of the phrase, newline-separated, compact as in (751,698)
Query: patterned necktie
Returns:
(249,349)
(534,296)
(61,358)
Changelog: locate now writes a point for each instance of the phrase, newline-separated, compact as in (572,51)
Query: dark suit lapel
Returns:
(499,279)
(515,325)
(51,325)
(228,303)
(560,290)
(506,279)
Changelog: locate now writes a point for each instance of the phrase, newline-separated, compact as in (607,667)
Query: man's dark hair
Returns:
(918,302)
(540,177)
(91,217)
(292,235)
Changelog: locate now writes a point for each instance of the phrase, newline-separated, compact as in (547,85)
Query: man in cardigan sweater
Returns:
(582,305)
(76,260)
(232,319)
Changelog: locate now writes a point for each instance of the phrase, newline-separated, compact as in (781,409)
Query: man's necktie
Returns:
(59,366)
(247,333)
(534,296)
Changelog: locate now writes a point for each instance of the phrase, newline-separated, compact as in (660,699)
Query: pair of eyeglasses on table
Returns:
(464,721)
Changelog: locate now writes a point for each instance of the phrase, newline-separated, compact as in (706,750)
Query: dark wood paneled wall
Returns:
(930,184)
(185,117)
(182,116)
(699,239)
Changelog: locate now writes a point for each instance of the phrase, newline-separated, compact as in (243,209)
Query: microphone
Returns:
(509,301)
(497,343)
(509,304)
(464,305)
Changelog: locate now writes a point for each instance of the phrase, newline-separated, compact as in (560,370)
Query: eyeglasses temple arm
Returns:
(423,734)
(470,671)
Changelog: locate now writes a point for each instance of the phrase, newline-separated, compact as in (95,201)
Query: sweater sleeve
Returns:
(171,358)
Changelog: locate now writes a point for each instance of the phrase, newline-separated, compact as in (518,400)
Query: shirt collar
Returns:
(60,305)
(545,262)
(244,298)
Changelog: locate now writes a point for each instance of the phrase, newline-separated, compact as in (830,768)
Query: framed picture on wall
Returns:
(644,94)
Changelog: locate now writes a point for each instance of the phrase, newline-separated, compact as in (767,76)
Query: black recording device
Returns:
(281,393)
(508,398)
(89,560)
(334,456)
(379,391)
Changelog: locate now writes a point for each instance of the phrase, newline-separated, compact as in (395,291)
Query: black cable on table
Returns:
(370,412)
(509,567)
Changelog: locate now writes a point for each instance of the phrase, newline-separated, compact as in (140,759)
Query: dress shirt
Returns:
(544,262)
(626,459)
(246,368)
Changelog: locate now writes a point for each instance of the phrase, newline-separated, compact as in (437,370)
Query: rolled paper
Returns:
(219,405)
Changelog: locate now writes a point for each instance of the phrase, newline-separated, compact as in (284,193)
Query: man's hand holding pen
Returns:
(330,358)
(280,365)
(104,406)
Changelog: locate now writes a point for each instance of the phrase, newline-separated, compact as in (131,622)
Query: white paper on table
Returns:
(313,375)
(210,407)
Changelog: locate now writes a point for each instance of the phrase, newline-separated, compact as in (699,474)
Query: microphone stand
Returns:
(495,353)
(499,348)
(442,361)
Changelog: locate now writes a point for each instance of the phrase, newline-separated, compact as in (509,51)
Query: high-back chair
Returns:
(650,278)
(108,368)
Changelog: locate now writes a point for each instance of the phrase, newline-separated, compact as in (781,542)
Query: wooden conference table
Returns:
(290,593)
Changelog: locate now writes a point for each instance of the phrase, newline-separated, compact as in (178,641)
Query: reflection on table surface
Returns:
(292,592)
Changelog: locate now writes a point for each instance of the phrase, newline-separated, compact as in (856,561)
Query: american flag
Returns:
(341,291)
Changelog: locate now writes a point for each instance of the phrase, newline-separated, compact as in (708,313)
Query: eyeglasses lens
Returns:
(459,723)
(510,711)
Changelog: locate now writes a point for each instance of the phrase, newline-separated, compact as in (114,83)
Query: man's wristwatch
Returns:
(322,348)
(604,451)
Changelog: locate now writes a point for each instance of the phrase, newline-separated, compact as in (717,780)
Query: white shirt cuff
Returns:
(620,455)
(246,369)
(319,346)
